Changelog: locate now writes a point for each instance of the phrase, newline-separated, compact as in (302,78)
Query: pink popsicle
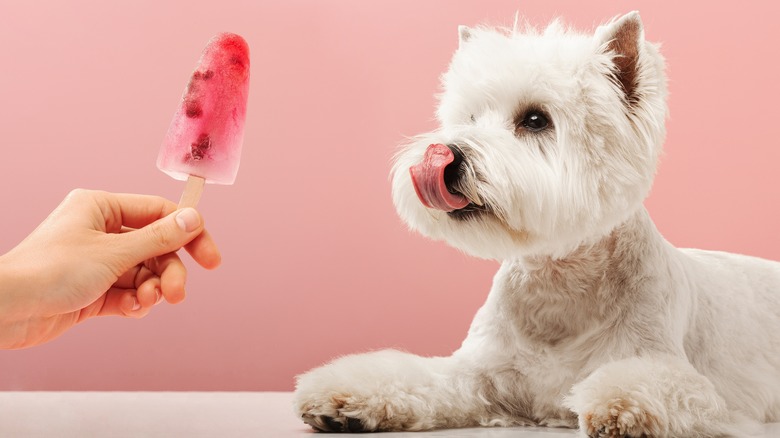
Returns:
(203,143)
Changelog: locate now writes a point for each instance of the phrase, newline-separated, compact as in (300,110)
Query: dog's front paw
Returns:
(339,410)
(620,417)
(342,413)
(380,391)
(649,397)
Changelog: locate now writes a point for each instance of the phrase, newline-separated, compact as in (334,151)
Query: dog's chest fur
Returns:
(559,319)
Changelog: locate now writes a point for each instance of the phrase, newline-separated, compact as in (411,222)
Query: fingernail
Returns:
(136,304)
(187,219)
(159,295)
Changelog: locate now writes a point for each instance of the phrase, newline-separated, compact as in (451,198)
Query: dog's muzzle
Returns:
(434,176)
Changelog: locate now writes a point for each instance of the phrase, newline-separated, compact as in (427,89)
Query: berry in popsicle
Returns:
(203,143)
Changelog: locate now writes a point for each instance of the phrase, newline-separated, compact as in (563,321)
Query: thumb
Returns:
(165,235)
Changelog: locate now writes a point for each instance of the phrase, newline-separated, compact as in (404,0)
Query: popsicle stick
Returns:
(192,192)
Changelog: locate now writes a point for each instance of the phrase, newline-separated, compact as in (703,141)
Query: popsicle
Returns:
(203,143)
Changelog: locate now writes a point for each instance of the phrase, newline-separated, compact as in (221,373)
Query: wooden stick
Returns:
(192,192)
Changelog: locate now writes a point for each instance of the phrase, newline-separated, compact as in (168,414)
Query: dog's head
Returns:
(546,141)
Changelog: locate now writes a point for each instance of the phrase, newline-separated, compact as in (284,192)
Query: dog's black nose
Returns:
(452,171)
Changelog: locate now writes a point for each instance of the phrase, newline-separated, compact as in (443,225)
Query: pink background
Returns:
(316,263)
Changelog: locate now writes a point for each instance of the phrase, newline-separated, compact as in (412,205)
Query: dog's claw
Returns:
(355,425)
(326,423)
(333,425)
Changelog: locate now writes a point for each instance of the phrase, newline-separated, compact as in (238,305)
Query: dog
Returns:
(547,147)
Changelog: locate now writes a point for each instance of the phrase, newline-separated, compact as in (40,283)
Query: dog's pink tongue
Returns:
(428,180)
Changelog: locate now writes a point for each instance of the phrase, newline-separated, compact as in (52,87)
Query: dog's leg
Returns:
(660,396)
(391,391)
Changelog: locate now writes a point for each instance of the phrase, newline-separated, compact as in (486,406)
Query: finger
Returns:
(128,279)
(148,292)
(131,210)
(91,310)
(160,237)
(133,277)
(204,251)
(122,302)
(173,277)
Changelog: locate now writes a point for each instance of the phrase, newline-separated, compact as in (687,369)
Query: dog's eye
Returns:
(472,118)
(534,121)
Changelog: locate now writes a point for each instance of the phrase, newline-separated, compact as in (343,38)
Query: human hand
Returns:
(97,254)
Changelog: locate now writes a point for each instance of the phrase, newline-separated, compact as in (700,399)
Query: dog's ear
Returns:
(464,34)
(623,38)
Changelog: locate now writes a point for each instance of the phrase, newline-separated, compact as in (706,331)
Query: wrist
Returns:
(18,296)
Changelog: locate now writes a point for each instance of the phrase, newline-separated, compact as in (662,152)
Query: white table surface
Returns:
(193,414)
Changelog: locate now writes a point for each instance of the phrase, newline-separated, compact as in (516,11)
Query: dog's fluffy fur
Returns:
(593,320)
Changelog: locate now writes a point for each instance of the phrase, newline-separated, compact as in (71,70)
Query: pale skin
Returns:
(98,254)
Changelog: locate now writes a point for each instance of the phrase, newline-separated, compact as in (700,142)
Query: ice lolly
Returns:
(203,143)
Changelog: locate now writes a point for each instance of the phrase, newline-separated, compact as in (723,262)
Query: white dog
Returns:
(547,148)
